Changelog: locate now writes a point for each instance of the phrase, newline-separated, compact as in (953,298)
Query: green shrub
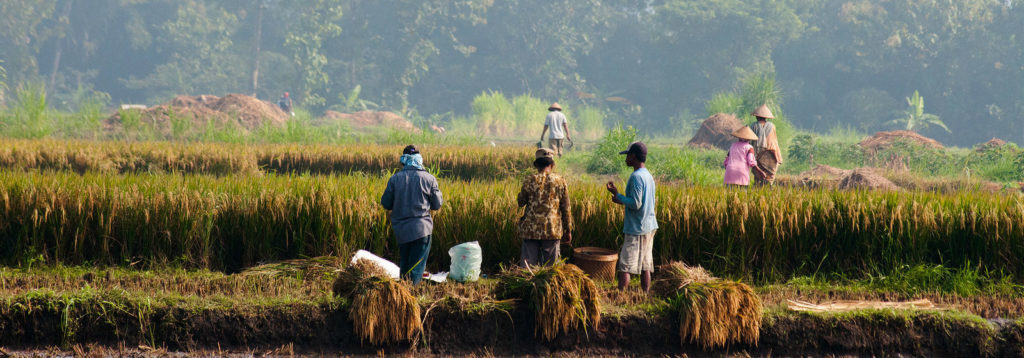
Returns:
(605,158)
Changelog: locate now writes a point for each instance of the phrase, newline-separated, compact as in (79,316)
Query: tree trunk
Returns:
(58,50)
(256,56)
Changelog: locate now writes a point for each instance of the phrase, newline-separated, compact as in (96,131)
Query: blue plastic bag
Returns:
(466,260)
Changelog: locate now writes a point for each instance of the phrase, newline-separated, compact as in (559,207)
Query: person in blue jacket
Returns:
(410,195)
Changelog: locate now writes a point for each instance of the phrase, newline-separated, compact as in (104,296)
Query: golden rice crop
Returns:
(236,221)
(225,159)
(561,296)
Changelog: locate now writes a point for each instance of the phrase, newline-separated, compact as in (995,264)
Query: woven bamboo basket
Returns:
(597,262)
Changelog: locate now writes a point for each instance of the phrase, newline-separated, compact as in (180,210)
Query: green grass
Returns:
(916,280)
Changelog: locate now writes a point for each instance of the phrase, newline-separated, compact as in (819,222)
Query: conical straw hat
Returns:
(744,132)
(555,106)
(763,112)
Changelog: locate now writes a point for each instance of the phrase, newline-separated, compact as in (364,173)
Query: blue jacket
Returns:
(639,202)
(410,195)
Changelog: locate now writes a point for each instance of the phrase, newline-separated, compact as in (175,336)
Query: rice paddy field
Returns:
(197,247)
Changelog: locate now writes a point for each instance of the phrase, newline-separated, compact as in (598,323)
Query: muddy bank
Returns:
(40,322)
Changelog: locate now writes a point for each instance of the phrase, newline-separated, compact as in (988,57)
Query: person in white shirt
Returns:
(559,126)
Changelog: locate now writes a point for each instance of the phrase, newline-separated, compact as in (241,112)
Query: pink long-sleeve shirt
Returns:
(738,163)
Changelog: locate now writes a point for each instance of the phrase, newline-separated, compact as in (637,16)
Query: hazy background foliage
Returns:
(654,64)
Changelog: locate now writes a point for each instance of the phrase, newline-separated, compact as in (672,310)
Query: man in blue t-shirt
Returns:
(639,223)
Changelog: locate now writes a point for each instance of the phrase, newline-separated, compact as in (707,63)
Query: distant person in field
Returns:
(740,158)
(639,222)
(766,147)
(410,195)
(559,126)
(547,221)
(285,102)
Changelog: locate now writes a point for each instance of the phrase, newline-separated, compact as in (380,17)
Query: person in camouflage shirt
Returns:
(547,219)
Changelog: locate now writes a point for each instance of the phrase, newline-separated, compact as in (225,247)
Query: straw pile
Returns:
(562,297)
(307,269)
(383,310)
(672,277)
(712,312)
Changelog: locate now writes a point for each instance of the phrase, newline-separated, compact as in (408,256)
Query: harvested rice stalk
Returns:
(308,269)
(718,313)
(356,278)
(385,313)
(383,310)
(561,296)
(672,277)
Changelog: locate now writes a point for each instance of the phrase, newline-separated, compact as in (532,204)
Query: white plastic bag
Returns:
(388,266)
(466,259)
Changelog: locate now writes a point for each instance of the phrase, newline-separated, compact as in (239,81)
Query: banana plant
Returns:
(914,118)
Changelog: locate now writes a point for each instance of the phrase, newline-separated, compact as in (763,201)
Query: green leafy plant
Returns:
(724,102)
(352,103)
(29,119)
(914,118)
(605,158)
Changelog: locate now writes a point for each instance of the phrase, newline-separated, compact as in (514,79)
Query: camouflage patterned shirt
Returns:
(547,216)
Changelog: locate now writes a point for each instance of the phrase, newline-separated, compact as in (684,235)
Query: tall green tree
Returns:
(22,34)
(3,84)
(317,22)
(198,43)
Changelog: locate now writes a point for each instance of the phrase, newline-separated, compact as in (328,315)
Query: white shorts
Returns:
(637,254)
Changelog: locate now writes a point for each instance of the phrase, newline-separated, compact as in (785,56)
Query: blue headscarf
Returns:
(412,161)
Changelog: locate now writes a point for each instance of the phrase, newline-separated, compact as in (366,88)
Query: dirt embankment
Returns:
(716,132)
(370,119)
(322,328)
(185,113)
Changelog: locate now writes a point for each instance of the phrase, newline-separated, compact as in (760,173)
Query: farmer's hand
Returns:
(611,188)
(567,238)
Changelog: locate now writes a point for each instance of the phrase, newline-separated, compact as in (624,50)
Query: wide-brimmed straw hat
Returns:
(744,133)
(554,106)
(544,153)
(763,112)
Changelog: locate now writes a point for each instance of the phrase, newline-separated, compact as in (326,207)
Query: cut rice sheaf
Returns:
(383,310)
(712,312)
(562,297)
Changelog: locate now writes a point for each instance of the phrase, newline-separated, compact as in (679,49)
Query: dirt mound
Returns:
(233,110)
(822,176)
(994,143)
(866,178)
(825,171)
(250,112)
(371,119)
(882,140)
(716,131)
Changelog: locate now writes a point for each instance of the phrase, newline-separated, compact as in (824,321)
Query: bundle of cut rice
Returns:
(672,277)
(383,310)
(562,297)
(712,312)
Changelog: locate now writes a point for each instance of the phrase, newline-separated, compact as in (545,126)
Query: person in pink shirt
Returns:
(740,158)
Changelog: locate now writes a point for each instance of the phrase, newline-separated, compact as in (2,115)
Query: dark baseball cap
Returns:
(410,149)
(636,148)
